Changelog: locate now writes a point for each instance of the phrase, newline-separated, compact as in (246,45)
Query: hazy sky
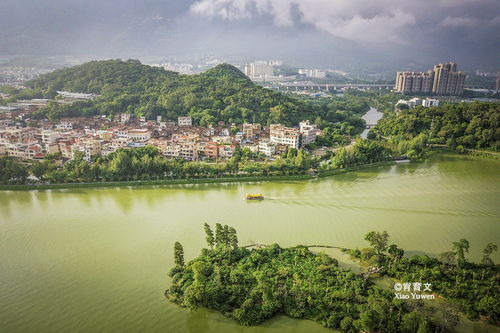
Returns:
(370,33)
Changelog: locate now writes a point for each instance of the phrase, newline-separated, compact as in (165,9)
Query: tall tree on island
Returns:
(378,241)
(178,254)
(233,238)
(225,233)
(210,236)
(219,234)
(460,248)
(488,250)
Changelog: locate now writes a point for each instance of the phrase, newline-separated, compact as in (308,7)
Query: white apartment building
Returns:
(14,134)
(50,137)
(184,121)
(226,151)
(428,102)
(308,132)
(65,126)
(251,130)
(282,135)
(120,142)
(267,148)
(25,151)
(88,146)
(140,135)
(121,133)
(125,117)
(188,151)
(172,150)
(411,103)
(314,73)
(71,95)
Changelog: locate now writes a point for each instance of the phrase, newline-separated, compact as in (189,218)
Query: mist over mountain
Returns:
(382,35)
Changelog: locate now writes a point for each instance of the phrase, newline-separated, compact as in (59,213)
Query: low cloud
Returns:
(366,22)
(349,19)
(460,22)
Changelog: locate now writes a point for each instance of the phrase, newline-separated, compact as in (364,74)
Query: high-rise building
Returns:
(427,80)
(259,69)
(442,80)
(314,73)
(498,82)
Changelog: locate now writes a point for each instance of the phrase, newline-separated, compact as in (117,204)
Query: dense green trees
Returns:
(459,125)
(251,286)
(361,152)
(474,287)
(12,170)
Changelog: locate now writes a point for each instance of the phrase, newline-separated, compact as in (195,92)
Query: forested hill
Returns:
(222,93)
(100,76)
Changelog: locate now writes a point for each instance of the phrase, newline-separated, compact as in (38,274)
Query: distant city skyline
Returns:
(443,79)
(377,36)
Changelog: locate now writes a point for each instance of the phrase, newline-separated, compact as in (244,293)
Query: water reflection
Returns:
(98,257)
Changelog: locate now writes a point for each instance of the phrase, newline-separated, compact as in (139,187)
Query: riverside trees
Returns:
(361,152)
(146,163)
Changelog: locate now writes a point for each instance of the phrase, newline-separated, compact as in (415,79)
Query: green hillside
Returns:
(222,93)
(99,77)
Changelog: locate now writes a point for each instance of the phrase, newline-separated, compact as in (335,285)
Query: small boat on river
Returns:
(254,197)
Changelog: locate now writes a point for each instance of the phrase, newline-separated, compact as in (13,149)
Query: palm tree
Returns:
(460,248)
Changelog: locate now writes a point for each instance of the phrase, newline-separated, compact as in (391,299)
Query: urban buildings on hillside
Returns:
(100,135)
(443,79)
(293,137)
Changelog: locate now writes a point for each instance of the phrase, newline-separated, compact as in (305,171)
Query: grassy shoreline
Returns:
(467,152)
(189,180)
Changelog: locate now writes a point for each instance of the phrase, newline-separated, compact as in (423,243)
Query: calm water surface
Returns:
(95,260)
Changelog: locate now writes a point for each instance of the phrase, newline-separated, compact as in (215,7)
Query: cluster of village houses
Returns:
(101,135)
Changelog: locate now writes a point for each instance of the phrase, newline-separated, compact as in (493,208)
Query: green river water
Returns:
(95,260)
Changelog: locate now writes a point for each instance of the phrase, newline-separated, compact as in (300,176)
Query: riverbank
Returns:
(467,152)
(306,176)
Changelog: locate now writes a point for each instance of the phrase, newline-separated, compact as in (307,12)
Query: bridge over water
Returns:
(284,86)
